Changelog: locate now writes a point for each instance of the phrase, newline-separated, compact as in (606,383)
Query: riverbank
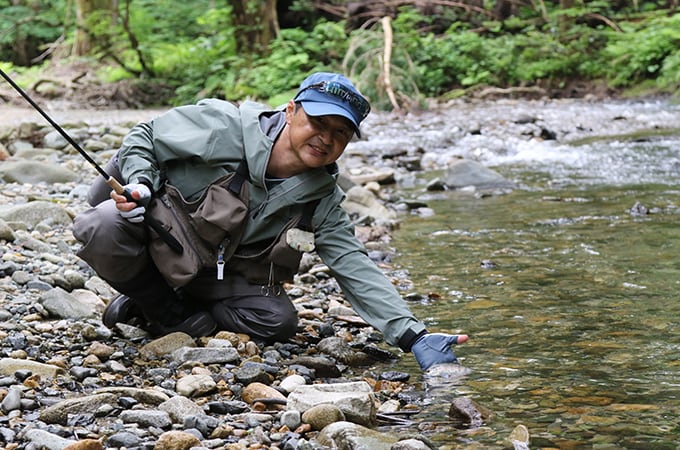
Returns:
(125,389)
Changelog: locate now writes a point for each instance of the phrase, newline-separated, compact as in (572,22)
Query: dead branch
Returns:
(387,60)
(606,20)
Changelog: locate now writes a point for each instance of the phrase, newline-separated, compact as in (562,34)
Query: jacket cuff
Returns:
(146,182)
(409,338)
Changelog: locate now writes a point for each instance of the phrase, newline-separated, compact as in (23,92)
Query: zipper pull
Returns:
(220,263)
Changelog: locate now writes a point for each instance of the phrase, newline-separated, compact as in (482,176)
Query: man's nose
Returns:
(325,135)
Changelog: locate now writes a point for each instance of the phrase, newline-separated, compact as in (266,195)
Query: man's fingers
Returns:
(462,338)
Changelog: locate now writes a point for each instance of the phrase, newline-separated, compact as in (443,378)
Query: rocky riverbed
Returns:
(66,381)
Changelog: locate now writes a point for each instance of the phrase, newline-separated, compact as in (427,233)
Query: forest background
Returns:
(141,53)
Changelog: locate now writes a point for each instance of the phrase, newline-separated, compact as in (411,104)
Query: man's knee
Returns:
(267,318)
(112,246)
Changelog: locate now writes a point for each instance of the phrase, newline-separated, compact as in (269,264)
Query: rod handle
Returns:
(115,185)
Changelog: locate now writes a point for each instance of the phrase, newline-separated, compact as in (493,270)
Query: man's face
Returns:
(317,141)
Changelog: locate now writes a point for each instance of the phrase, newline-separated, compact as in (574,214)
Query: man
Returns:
(290,156)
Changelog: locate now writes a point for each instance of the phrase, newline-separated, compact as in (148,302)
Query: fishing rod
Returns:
(115,184)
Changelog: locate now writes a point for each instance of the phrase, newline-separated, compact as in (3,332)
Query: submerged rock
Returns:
(464,172)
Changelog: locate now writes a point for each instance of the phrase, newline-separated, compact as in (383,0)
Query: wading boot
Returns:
(120,310)
(160,309)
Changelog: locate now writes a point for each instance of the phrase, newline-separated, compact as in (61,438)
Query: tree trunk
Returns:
(84,9)
(256,24)
(565,21)
(24,48)
(502,9)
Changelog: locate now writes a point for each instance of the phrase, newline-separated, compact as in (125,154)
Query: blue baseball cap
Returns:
(326,94)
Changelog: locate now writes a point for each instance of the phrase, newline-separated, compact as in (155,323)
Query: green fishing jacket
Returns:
(192,146)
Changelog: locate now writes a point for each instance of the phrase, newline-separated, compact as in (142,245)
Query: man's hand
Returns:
(133,210)
(435,348)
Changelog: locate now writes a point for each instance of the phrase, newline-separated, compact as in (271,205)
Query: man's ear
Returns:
(290,110)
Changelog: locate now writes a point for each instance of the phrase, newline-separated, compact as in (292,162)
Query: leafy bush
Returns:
(639,53)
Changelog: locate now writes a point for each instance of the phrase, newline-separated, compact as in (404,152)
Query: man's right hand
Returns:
(133,210)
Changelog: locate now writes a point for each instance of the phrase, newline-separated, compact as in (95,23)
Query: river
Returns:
(566,285)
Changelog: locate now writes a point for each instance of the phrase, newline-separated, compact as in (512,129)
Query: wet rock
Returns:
(252,372)
(227,407)
(468,413)
(391,375)
(323,367)
(519,438)
(463,172)
(340,350)
(638,209)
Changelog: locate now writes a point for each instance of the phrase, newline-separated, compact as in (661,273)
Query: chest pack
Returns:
(203,232)
(278,260)
(203,235)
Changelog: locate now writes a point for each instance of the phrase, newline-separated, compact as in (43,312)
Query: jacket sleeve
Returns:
(197,135)
(137,160)
(369,291)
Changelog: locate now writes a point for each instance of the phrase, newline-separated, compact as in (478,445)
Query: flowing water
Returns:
(568,290)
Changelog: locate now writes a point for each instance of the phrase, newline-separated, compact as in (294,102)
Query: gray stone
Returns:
(147,418)
(355,399)
(206,355)
(179,408)
(319,416)
(9,366)
(59,412)
(195,385)
(12,400)
(32,213)
(347,435)
(34,172)
(60,303)
(362,202)
(48,441)
(165,345)
(464,172)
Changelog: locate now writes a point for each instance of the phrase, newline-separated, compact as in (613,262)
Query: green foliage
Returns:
(28,25)
(293,55)
(640,53)
(192,47)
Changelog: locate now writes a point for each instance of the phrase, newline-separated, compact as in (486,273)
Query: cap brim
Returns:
(329,109)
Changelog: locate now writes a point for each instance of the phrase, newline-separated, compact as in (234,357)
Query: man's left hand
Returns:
(435,348)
